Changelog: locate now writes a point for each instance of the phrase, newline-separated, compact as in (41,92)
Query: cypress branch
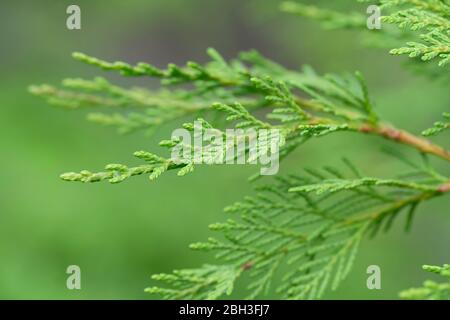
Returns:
(310,224)
(431,290)
(426,19)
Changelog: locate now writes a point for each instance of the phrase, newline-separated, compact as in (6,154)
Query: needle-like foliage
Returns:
(335,103)
(426,23)
(251,83)
(299,235)
(438,126)
(305,230)
(431,290)
(206,283)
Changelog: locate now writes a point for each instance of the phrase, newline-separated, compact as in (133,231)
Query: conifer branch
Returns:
(316,236)
(431,290)
(427,20)
(336,103)
(438,126)
(310,224)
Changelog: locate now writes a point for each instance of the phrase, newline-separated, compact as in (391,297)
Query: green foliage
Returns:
(426,21)
(336,185)
(298,236)
(243,86)
(314,237)
(438,126)
(116,173)
(431,290)
(206,283)
(330,19)
(431,16)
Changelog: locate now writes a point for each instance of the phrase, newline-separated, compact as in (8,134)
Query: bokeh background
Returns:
(121,234)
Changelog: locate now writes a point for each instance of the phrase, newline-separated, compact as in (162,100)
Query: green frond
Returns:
(206,283)
(316,237)
(125,123)
(318,130)
(329,18)
(234,89)
(425,24)
(216,82)
(116,173)
(237,112)
(431,290)
(279,94)
(430,20)
(299,235)
(71,99)
(336,185)
(438,126)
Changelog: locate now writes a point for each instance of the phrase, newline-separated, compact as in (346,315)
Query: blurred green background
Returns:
(121,234)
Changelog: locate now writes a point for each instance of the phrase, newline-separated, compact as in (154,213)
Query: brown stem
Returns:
(384,130)
(407,138)
(445,187)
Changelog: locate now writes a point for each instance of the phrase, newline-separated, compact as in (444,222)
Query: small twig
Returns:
(406,138)
(445,187)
